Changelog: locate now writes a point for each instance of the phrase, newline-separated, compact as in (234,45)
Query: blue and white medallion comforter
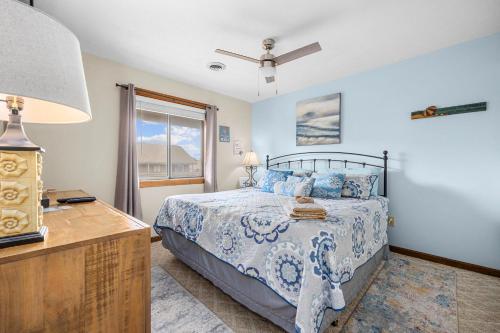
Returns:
(304,261)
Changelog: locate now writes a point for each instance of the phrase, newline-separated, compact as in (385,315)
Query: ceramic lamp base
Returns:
(27,238)
(21,214)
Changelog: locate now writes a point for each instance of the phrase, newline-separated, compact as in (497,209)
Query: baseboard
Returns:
(446,261)
(155,239)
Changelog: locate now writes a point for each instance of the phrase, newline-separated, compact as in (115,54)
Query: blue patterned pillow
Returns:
(295,186)
(260,182)
(298,172)
(273,176)
(361,171)
(358,186)
(328,186)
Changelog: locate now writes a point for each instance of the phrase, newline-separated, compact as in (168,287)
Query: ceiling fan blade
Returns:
(298,53)
(236,55)
(269,79)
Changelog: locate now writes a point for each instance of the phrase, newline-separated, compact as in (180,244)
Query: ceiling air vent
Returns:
(216,66)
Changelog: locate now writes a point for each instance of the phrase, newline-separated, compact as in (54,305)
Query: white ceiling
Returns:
(176,39)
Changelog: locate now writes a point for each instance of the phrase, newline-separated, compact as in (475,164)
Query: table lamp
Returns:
(250,161)
(41,81)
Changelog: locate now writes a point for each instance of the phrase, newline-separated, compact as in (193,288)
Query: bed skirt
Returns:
(251,292)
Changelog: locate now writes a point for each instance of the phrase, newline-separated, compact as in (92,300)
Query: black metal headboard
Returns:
(294,161)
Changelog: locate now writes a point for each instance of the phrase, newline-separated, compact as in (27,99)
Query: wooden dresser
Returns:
(91,274)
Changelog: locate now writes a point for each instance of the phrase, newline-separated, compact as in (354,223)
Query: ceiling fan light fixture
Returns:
(267,69)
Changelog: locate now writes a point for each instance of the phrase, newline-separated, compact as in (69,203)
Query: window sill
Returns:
(171,182)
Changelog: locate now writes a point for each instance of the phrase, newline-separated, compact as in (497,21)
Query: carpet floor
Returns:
(408,295)
(173,309)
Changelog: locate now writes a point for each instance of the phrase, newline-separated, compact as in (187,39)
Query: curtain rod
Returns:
(165,97)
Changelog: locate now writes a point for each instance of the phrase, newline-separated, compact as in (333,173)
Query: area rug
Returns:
(409,295)
(174,309)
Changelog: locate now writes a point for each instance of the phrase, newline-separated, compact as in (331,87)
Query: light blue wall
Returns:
(444,182)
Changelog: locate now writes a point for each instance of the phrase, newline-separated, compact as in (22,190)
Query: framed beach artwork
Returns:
(224,134)
(318,121)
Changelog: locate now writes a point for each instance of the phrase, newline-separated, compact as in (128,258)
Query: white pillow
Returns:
(295,186)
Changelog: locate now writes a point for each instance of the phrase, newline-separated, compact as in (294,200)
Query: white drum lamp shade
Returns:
(40,60)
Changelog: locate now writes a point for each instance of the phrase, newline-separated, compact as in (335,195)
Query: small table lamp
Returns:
(42,80)
(250,161)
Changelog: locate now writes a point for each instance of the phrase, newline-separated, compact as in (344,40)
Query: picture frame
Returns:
(224,134)
(318,121)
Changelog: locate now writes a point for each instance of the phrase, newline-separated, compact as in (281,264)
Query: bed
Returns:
(297,273)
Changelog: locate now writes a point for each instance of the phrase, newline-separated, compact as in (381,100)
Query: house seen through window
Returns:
(169,140)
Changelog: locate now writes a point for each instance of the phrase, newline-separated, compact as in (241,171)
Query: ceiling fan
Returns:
(268,61)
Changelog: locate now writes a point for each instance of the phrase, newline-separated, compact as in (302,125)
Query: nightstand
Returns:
(91,274)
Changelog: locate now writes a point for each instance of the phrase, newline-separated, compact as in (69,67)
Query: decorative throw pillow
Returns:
(302,173)
(294,179)
(304,188)
(328,186)
(359,186)
(295,186)
(273,176)
(297,172)
(361,171)
(260,182)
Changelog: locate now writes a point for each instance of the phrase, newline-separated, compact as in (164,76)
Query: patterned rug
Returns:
(408,296)
(174,309)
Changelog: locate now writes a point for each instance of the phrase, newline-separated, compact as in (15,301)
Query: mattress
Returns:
(307,263)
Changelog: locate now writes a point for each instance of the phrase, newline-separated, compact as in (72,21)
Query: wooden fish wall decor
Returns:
(433,111)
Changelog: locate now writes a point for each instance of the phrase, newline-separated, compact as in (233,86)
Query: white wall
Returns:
(444,187)
(84,156)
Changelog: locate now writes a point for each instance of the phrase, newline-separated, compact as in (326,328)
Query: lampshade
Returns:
(41,61)
(250,159)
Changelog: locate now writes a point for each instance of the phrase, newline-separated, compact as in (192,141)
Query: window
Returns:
(169,140)
(185,147)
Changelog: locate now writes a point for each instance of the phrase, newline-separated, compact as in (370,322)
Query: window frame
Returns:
(169,180)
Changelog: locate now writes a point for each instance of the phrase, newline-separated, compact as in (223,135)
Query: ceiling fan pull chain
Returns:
(276,78)
(258,83)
